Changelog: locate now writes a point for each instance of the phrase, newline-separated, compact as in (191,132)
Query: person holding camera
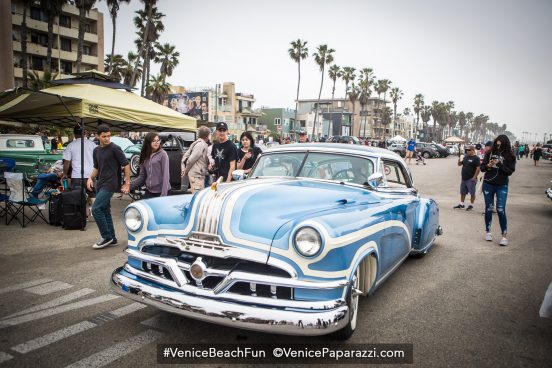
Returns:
(498,164)
(248,153)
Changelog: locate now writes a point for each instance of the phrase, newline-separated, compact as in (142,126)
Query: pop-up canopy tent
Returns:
(88,104)
(397,138)
(454,139)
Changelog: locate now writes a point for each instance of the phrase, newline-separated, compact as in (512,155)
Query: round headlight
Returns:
(133,219)
(307,241)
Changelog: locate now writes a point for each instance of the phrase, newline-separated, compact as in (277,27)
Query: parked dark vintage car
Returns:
(175,144)
(344,139)
(232,254)
(427,150)
(398,149)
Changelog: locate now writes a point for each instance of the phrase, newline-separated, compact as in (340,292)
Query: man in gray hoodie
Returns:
(196,160)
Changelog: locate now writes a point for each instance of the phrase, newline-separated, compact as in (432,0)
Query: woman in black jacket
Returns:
(498,164)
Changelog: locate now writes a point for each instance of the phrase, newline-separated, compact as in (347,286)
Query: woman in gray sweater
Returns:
(154,168)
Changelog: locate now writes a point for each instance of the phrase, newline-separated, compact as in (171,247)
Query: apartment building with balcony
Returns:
(64,50)
(337,116)
(280,121)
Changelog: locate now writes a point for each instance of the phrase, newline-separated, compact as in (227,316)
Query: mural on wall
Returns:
(194,104)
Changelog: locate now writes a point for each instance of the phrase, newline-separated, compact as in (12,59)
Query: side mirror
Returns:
(238,174)
(375,180)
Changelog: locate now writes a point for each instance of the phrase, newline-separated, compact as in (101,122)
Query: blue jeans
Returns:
(501,192)
(43,180)
(101,210)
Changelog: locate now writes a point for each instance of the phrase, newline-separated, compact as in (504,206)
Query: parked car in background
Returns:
(441,150)
(426,150)
(175,144)
(344,139)
(398,149)
(231,254)
(28,151)
(452,148)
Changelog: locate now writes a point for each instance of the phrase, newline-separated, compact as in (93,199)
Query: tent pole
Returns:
(83,200)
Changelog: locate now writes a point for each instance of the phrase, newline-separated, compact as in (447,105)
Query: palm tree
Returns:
(84,7)
(425,113)
(24,62)
(148,9)
(155,29)
(396,94)
(353,95)
(469,120)
(382,86)
(37,83)
(52,8)
(436,115)
(130,67)
(167,57)
(348,75)
(407,112)
(461,122)
(418,104)
(385,118)
(113,6)
(367,79)
(297,52)
(322,56)
(334,72)
(158,88)
(118,64)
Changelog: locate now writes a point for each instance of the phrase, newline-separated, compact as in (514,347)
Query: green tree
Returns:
(469,122)
(167,57)
(366,81)
(146,39)
(146,44)
(130,68)
(118,64)
(297,52)
(353,95)
(334,72)
(347,76)
(113,6)
(425,113)
(37,82)
(323,56)
(418,104)
(396,94)
(461,122)
(158,88)
(52,9)
(84,7)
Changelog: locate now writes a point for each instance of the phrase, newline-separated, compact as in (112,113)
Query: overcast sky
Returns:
(492,57)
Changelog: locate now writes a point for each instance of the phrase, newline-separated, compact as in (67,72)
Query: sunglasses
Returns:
(221,130)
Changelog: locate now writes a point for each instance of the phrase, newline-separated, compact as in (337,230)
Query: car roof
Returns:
(336,147)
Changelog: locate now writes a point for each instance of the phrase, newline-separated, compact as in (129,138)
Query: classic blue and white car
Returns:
(288,250)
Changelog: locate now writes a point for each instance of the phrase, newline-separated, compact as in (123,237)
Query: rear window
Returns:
(20,143)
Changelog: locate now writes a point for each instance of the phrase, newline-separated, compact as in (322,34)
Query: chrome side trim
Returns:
(237,298)
(308,322)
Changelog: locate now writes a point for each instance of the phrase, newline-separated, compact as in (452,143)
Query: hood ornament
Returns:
(216,183)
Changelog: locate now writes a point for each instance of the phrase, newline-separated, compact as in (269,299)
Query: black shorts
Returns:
(76,182)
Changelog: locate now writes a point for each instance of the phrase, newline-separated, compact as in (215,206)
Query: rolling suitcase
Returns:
(55,210)
(72,210)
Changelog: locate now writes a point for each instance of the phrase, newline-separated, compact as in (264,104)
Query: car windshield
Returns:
(315,165)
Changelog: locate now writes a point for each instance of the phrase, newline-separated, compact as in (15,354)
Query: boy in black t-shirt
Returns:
(224,153)
(470,170)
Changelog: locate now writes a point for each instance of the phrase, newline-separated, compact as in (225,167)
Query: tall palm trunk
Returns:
(297,99)
(80,43)
(114,21)
(24,63)
(330,124)
(318,105)
(144,42)
(147,74)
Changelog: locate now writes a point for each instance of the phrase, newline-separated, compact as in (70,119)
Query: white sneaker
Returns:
(504,241)
(489,237)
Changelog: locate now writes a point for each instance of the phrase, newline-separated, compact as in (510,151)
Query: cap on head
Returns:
(222,125)
(489,144)
(302,132)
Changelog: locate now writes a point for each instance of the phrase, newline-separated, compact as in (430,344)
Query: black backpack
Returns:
(55,210)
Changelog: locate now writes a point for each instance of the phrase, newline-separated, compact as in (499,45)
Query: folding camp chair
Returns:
(19,199)
(6,165)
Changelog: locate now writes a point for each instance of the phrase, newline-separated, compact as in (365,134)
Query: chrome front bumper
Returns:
(295,319)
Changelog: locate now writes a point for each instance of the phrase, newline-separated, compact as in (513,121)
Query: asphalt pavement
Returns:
(468,303)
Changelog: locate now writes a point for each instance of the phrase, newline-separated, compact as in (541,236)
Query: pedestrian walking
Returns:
(154,168)
(248,153)
(108,158)
(196,160)
(72,163)
(537,153)
(225,154)
(410,148)
(526,149)
(516,150)
(499,163)
(470,171)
